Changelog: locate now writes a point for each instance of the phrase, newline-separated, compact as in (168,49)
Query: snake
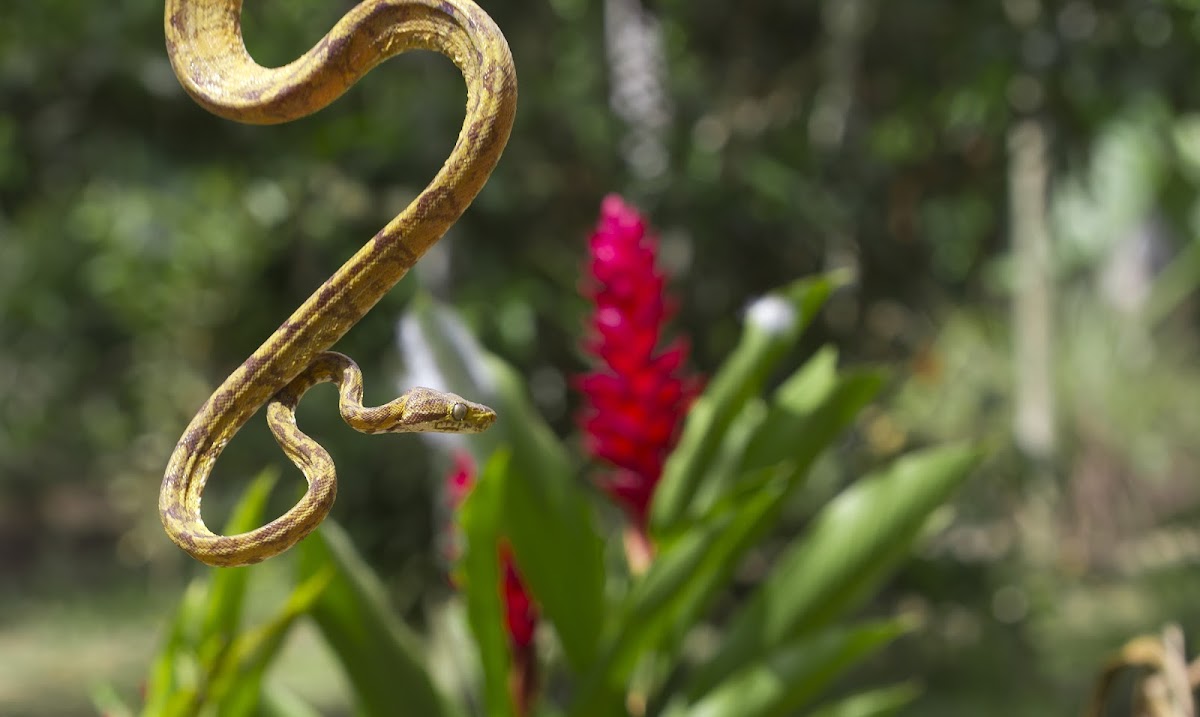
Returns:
(208,54)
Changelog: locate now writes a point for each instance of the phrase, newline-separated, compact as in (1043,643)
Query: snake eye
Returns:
(458,411)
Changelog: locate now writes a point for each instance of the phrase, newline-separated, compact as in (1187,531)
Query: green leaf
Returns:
(164,688)
(1173,285)
(207,620)
(740,378)
(793,675)
(853,543)
(108,703)
(874,703)
(797,398)
(480,571)
(796,435)
(684,577)
(380,657)
(742,449)
(237,688)
(726,468)
(807,412)
(280,702)
(227,586)
(548,519)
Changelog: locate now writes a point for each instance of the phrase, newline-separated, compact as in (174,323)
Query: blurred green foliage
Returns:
(146,248)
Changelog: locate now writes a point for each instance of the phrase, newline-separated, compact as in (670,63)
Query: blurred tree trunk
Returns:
(1032,307)
(638,84)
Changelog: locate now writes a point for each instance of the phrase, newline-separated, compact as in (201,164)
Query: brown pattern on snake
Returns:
(206,49)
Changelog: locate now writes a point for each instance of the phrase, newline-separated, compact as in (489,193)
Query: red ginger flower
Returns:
(637,398)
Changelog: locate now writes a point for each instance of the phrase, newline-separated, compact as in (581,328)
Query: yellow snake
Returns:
(205,45)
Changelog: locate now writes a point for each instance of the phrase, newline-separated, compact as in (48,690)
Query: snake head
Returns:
(425,410)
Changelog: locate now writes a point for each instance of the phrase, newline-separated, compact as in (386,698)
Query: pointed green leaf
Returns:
(227,586)
(480,571)
(853,543)
(1173,285)
(279,702)
(684,578)
(548,519)
(163,686)
(236,689)
(184,702)
(793,675)
(773,327)
(765,433)
(207,619)
(380,657)
(108,703)
(874,703)
(804,407)
(726,468)
(806,414)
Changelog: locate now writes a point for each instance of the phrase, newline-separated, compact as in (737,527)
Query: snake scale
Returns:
(207,51)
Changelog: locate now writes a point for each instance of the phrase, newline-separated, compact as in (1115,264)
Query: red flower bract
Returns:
(637,396)
(520,611)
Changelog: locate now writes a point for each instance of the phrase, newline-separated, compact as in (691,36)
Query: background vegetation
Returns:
(1013,184)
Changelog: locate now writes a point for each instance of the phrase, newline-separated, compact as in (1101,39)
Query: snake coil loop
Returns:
(209,56)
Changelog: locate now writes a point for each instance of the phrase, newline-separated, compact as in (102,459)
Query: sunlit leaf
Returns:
(237,688)
(279,702)
(805,415)
(684,576)
(227,586)
(481,574)
(108,703)
(547,517)
(874,703)
(207,620)
(853,543)
(164,688)
(381,659)
(791,676)
(774,326)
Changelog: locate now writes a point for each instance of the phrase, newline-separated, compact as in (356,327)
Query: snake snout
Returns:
(485,418)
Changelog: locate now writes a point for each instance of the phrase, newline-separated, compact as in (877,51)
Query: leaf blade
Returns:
(480,516)
(791,676)
(548,519)
(377,652)
(852,544)
(740,378)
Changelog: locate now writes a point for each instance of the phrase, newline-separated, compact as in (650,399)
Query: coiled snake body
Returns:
(205,45)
